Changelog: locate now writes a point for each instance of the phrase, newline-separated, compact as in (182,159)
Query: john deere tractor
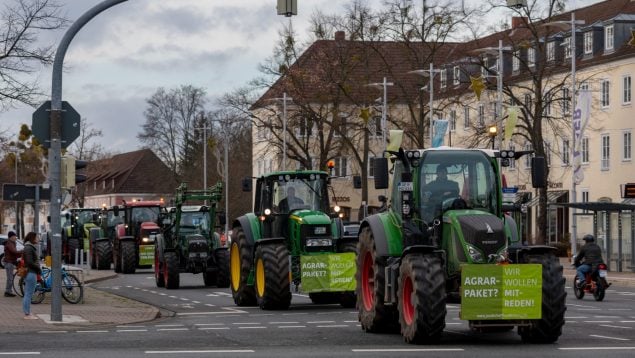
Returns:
(291,243)
(450,239)
(188,241)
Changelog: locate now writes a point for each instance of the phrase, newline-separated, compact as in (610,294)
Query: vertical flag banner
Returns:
(510,123)
(580,120)
(396,136)
(440,127)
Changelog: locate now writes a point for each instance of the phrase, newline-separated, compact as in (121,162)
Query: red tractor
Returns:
(136,226)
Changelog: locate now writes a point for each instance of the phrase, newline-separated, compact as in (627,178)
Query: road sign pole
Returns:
(56,150)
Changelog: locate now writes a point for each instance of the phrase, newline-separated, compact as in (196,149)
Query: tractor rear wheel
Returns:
(222,271)
(128,257)
(348,299)
(103,254)
(158,268)
(240,263)
(73,245)
(374,316)
(421,297)
(171,270)
(272,277)
(549,328)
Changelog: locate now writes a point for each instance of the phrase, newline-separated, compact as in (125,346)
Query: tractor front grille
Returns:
(485,232)
(316,238)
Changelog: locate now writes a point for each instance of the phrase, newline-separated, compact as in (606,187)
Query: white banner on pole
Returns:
(580,120)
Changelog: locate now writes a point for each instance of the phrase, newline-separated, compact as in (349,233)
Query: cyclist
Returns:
(592,255)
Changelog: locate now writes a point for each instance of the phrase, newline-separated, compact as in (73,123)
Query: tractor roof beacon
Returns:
(188,241)
(441,242)
(289,242)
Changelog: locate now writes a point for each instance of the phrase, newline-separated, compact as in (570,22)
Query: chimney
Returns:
(340,35)
(518,22)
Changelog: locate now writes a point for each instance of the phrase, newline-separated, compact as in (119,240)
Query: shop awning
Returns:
(552,196)
(597,206)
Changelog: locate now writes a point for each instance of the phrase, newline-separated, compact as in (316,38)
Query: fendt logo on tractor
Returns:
(446,237)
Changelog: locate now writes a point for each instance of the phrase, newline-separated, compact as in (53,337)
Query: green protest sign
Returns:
(146,255)
(328,272)
(490,292)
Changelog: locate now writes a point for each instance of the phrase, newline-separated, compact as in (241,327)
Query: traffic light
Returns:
(70,177)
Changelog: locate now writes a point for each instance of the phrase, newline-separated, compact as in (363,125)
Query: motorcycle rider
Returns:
(592,255)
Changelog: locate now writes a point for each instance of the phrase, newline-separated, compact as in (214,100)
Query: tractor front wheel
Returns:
(158,268)
(272,277)
(103,254)
(171,270)
(421,298)
(128,257)
(240,263)
(222,271)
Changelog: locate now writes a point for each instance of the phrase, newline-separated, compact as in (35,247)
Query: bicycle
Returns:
(72,288)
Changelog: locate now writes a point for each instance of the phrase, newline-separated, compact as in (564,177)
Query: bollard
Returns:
(81,258)
(76,257)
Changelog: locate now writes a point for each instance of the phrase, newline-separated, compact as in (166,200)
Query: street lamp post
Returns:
(564,25)
(430,74)
(384,109)
(204,128)
(16,153)
(284,100)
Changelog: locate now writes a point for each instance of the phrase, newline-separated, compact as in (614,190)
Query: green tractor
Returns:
(446,237)
(75,232)
(291,243)
(188,241)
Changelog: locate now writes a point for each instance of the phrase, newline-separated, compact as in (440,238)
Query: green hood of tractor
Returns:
(309,217)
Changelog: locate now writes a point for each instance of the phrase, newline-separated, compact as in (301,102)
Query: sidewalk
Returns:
(100,309)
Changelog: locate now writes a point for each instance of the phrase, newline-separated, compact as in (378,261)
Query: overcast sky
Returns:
(121,57)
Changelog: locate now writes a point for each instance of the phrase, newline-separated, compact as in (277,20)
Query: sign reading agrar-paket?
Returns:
(328,272)
(490,292)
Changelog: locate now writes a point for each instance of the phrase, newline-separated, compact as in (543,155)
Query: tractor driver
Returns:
(437,190)
(291,202)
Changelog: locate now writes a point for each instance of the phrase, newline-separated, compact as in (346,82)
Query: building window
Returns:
(481,115)
(531,57)
(546,104)
(584,86)
(484,69)
(606,152)
(585,198)
(374,126)
(453,120)
(626,89)
(626,145)
(551,51)
(527,103)
(608,38)
(340,169)
(516,61)
(604,93)
(305,129)
(371,166)
(565,152)
(341,127)
(585,150)
(466,116)
(588,43)
(567,47)
(457,75)
(444,78)
(528,157)
(566,100)
(548,153)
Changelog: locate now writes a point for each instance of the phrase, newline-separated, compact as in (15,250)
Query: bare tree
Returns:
(21,55)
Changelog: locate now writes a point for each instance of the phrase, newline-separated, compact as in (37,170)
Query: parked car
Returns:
(3,238)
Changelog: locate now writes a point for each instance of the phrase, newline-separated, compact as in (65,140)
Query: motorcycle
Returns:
(595,284)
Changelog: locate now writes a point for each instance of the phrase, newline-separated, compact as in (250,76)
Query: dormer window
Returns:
(588,43)
(551,51)
(608,38)
(457,75)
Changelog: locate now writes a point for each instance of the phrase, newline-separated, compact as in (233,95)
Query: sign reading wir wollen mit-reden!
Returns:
(490,292)
(328,272)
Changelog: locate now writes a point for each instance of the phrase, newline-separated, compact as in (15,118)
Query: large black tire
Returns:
(348,299)
(240,263)
(171,270)
(222,272)
(421,296)
(272,277)
(549,328)
(374,316)
(72,245)
(103,254)
(159,278)
(128,257)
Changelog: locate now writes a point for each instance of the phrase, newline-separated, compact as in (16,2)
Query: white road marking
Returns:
(627,321)
(196,302)
(606,337)
(92,331)
(351,321)
(252,327)
(211,295)
(577,317)
(288,322)
(172,296)
(52,332)
(245,323)
(173,329)
(320,322)
(209,324)
(210,328)
(184,299)
(162,294)
(295,314)
(130,326)
(609,326)
(131,330)
(332,326)
(202,351)
(210,305)
(291,326)
(598,321)
(168,325)
(409,350)
(18,353)
(595,348)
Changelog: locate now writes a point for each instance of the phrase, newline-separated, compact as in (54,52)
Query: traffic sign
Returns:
(41,125)
(24,192)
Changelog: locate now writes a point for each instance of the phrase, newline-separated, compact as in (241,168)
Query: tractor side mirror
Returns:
(538,170)
(246,184)
(381,173)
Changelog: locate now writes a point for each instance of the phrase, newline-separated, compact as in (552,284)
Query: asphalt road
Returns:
(204,322)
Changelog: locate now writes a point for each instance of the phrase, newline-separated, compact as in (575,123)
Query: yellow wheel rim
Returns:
(234,259)
(260,277)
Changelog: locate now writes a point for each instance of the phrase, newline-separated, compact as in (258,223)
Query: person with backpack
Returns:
(11,255)
(32,264)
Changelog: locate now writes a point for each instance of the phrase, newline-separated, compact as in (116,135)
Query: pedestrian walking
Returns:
(32,264)
(11,255)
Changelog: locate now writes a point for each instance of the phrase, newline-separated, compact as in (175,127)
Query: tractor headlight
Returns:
(475,254)
(145,239)
(267,211)
(319,242)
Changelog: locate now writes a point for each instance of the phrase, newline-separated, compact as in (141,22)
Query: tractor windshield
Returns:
(295,192)
(83,217)
(195,220)
(145,214)
(456,179)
